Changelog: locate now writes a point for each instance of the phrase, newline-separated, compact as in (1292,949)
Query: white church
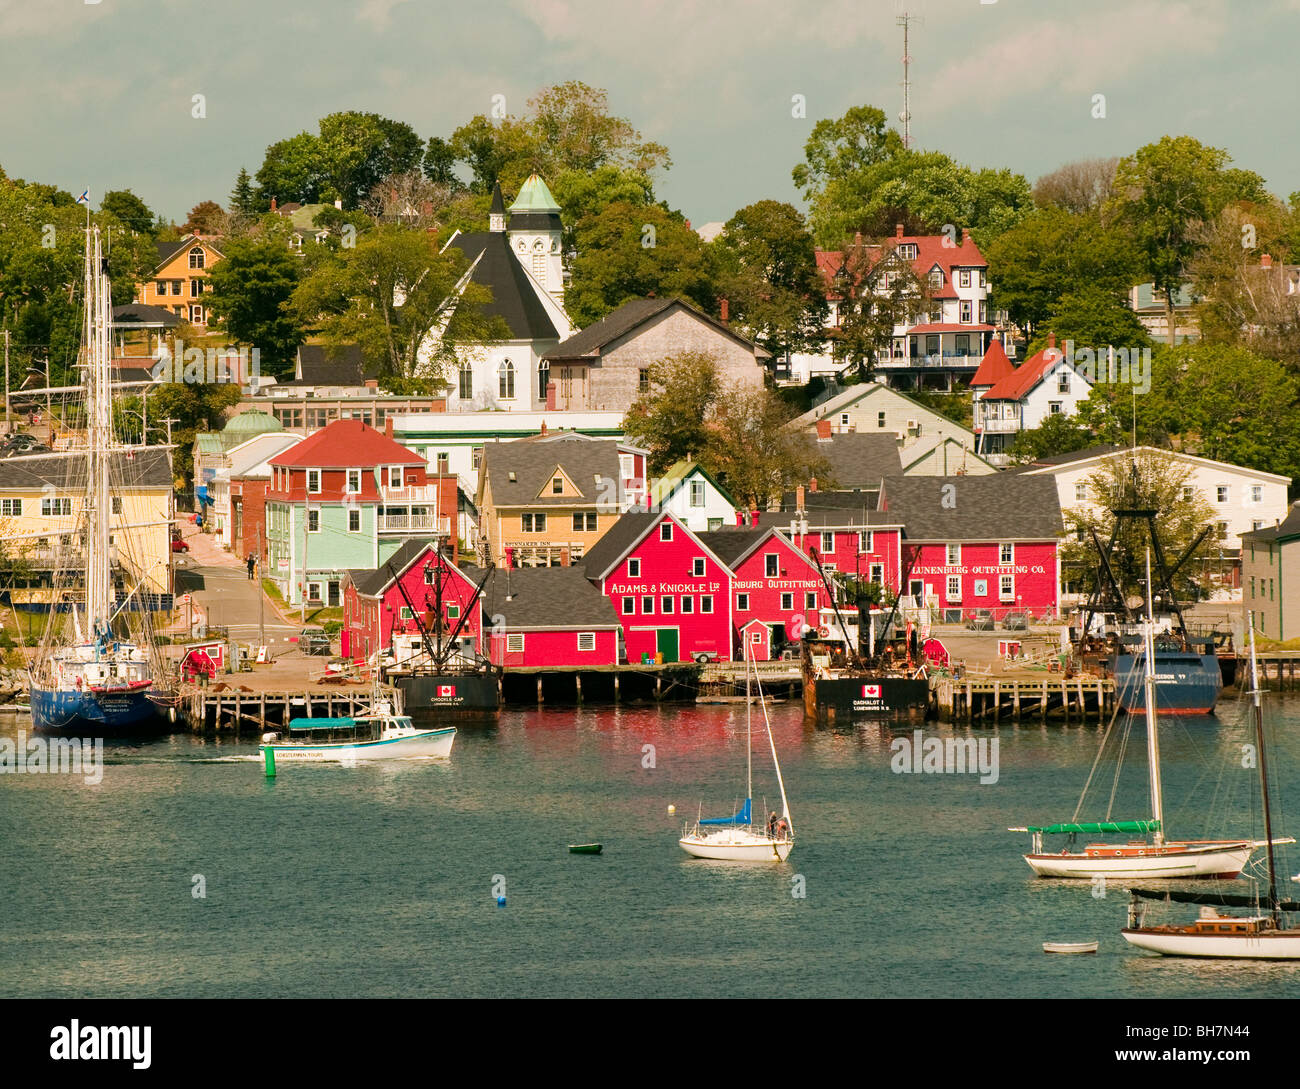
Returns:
(518,259)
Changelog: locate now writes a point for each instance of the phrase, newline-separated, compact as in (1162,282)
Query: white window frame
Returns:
(665,531)
(634,567)
(952,555)
(586,641)
(11,508)
(1006,587)
(697,567)
(771,565)
(706,603)
(828,542)
(354,514)
(647,604)
(514,642)
(866,541)
(787,602)
(313,489)
(1006,553)
(742,603)
(354,481)
(629,605)
(698,497)
(954,588)
(687,605)
(308,516)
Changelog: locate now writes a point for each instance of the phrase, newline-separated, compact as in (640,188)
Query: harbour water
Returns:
(381,880)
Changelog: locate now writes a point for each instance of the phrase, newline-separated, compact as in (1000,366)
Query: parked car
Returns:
(981,620)
(1016,621)
(178,545)
(704,656)
(314,641)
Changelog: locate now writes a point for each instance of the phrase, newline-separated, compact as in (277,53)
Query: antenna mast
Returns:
(905,21)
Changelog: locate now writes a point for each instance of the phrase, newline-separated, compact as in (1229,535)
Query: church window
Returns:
(466,382)
(506,381)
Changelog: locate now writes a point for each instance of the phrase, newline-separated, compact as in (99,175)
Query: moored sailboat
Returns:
(1157,857)
(737,838)
(1262,935)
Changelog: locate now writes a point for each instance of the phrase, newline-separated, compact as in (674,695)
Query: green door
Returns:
(666,643)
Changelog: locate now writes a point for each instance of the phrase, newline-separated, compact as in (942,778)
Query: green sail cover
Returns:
(1141,827)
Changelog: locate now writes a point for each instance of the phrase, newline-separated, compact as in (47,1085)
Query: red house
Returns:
(671,592)
(775,589)
(384,609)
(864,544)
(548,617)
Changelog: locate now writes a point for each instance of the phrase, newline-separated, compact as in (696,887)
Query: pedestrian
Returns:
(252,564)
(771,825)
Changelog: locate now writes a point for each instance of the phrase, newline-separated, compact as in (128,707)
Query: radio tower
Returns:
(904,21)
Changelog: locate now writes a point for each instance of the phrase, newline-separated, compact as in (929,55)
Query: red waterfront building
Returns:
(671,592)
(383,609)
(548,617)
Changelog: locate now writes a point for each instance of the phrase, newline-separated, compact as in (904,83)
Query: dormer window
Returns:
(936,278)
(908,250)
(557,485)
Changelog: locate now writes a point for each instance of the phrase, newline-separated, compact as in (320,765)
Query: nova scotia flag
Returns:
(85,197)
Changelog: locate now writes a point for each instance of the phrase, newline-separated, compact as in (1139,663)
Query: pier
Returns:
(238,706)
(537,686)
(1277,670)
(983,699)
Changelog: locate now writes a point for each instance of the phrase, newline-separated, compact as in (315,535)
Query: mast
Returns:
(780,782)
(99,439)
(1153,741)
(749,740)
(1263,774)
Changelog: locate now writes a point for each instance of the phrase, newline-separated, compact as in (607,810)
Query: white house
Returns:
(693,497)
(875,408)
(518,259)
(1021,399)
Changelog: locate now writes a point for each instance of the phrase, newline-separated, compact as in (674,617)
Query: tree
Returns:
(1149,480)
(293,170)
(207,217)
(439,164)
(1058,434)
(768,274)
(583,195)
(878,290)
(669,417)
(1164,192)
(1080,187)
(630,252)
(128,209)
(251,290)
(752,451)
(194,407)
(1094,318)
(243,198)
(395,295)
(1053,252)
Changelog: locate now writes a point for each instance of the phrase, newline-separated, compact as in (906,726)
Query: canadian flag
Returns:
(871,691)
(446,690)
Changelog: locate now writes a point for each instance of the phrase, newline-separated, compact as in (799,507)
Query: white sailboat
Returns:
(737,838)
(1261,935)
(1158,857)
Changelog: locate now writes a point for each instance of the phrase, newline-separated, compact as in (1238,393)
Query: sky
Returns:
(101,94)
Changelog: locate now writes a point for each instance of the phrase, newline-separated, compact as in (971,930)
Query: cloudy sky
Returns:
(100,93)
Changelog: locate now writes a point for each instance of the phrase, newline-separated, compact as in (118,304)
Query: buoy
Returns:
(671,810)
(270,762)
(501,901)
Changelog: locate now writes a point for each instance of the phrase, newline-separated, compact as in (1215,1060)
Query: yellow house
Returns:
(544,503)
(43,499)
(181,278)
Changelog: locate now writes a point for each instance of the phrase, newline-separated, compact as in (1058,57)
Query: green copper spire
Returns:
(534,196)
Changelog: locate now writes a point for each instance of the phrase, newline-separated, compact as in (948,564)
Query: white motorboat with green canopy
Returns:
(381,736)
(737,838)
(1153,856)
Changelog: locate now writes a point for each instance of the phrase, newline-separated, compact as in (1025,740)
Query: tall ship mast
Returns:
(87,680)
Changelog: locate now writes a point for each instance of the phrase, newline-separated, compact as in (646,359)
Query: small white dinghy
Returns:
(737,838)
(1070,947)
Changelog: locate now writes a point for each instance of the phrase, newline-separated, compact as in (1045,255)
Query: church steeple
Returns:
(497,213)
(536,235)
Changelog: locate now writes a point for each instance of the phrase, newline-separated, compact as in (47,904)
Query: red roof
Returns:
(993,367)
(346,444)
(1013,386)
(931,251)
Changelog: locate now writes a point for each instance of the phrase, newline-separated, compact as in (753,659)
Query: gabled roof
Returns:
(514,298)
(137,314)
(168,250)
(735,544)
(151,467)
(860,458)
(1018,383)
(258,450)
(330,365)
(346,444)
(623,536)
(409,553)
(675,476)
(852,394)
(927,445)
(1002,507)
(1043,466)
(590,343)
(931,250)
(993,367)
(1286,530)
(546,598)
(588,463)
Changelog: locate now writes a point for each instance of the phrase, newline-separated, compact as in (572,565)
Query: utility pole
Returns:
(6,379)
(169,421)
(905,21)
(261,596)
(302,584)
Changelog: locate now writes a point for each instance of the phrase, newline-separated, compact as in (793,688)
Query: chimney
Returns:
(1266,262)
(273,204)
(725,311)
(965,235)
(1051,340)
(812,485)
(550,396)
(388,426)
(898,230)
(688,224)
(372,383)
(823,429)
(798,498)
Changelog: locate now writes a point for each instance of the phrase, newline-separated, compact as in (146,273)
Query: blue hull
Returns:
(84,714)
(1186,683)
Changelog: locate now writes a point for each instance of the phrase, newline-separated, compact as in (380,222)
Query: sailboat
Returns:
(98,684)
(1157,858)
(737,838)
(1262,935)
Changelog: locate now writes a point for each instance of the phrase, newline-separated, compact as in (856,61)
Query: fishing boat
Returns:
(737,838)
(1262,935)
(1157,857)
(99,683)
(381,736)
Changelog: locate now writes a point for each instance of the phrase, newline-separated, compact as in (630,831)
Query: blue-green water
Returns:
(379,880)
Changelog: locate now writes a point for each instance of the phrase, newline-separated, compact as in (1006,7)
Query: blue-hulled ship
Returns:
(95,683)
(1188,679)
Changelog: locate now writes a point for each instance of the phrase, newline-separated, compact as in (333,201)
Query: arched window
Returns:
(543,378)
(466,382)
(506,381)
(196,257)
